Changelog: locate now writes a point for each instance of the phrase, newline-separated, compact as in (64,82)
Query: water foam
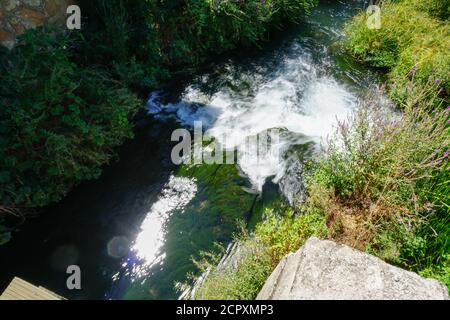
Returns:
(298,98)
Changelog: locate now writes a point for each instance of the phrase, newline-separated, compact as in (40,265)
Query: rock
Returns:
(57,7)
(32,18)
(32,3)
(6,39)
(18,15)
(323,269)
(10,5)
(17,25)
(292,183)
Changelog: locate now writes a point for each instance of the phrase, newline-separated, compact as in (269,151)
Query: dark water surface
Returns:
(134,230)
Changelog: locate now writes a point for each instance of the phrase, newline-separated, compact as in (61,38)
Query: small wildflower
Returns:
(438,82)
(446,154)
(412,72)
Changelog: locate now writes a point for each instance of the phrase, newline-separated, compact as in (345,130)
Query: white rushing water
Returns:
(297,98)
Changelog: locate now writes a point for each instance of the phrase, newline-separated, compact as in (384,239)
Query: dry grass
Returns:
(355,222)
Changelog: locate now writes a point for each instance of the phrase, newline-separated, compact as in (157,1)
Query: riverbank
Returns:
(382,185)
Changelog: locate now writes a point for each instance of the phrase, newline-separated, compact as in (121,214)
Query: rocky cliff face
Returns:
(18,15)
(327,270)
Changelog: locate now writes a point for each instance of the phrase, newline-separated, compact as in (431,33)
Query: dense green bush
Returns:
(162,36)
(242,283)
(411,44)
(435,8)
(215,26)
(58,122)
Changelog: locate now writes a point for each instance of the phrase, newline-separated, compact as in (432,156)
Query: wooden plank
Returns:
(19,295)
(31,294)
(19,289)
(24,291)
(28,290)
(6,296)
(20,285)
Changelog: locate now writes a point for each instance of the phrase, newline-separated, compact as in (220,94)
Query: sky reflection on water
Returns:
(147,250)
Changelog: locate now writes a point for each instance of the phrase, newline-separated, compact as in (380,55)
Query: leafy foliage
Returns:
(166,36)
(412,44)
(58,122)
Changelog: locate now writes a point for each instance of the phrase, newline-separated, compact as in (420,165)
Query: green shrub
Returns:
(59,123)
(435,8)
(212,27)
(286,233)
(241,283)
(163,36)
(380,151)
(411,44)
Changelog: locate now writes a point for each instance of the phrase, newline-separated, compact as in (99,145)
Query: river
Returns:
(134,231)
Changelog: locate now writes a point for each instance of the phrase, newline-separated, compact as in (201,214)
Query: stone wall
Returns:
(19,15)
